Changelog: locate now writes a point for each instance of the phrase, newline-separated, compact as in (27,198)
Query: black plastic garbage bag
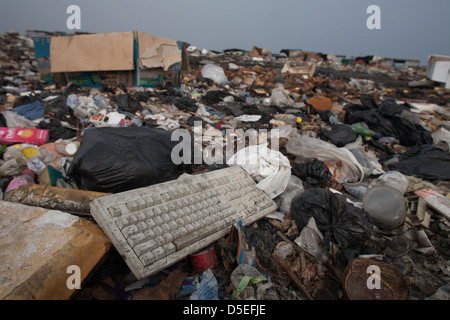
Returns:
(368,101)
(391,107)
(230,108)
(3,122)
(127,103)
(339,221)
(191,121)
(314,173)
(216,96)
(186,103)
(112,159)
(142,96)
(56,104)
(339,135)
(56,130)
(427,162)
(386,120)
(26,99)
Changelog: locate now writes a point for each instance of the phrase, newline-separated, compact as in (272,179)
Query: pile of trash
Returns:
(361,175)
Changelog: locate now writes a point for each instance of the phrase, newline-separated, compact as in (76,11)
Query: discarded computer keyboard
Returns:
(156,226)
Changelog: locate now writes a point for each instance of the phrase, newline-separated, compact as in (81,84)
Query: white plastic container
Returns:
(386,206)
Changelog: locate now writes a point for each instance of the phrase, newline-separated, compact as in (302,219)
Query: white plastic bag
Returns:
(83,107)
(312,241)
(271,169)
(294,188)
(207,288)
(441,139)
(394,179)
(280,97)
(369,161)
(214,72)
(15,120)
(346,166)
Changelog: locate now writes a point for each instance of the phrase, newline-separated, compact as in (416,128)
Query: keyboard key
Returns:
(194,236)
(130,231)
(142,226)
(136,239)
(159,253)
(144,247)
(169,248)
(115,211)
(148,258)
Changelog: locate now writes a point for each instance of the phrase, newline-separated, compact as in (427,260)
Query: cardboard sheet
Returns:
(38,245)
(157,52)
(92,52)
(162,55)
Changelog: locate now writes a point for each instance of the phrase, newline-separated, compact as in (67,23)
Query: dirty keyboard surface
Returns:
(156,226)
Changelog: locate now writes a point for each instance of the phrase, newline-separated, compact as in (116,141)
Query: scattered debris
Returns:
(316,132)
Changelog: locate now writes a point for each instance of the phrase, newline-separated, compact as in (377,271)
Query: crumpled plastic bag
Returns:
(339,221)
(411,239)
(347,167)
(164,122)
(387,120)
(207,288)
(338,134)
(441,139)
(214,72)
(13,162)
(243,278)
(15,120)
(19,157)
(72,101)
(270,168)
(280,97)
(83,107)
(426,161)
(314,173)
(312,241)
(294,188)
(127,102)
(367,159)
(394,179)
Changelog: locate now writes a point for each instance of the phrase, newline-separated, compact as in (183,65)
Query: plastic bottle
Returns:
(27,177)
(72,148)
(366,132)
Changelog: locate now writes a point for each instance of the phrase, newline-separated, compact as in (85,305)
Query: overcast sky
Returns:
(410,29)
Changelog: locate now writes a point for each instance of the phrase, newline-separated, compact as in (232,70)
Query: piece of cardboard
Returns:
(92,52)
(37,247)
(147,41)
(156,52)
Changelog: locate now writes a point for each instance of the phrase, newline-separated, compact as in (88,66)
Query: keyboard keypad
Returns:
(156,226)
